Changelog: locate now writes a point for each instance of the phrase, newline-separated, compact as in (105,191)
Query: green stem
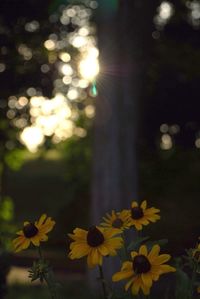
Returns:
(193,280)
(103,282)
(40,252)
(125,248)
(50,286)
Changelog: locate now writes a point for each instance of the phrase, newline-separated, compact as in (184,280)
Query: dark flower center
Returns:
(137,213)
(141,264)
(94,237)
(30,230)
(117,223)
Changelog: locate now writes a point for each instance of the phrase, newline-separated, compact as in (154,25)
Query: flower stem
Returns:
(50,282)
(40,252)
(193,280)
(125,248)
(103,282)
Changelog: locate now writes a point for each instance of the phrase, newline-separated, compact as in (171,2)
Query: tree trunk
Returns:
(123,41)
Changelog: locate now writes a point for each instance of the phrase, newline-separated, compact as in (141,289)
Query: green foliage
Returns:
(77,158)
(6,226)
(6,209)
(134,245)
(15,158)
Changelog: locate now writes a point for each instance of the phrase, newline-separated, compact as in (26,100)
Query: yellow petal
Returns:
(146,279)
(166,269)
(143,250)
(103,250)
(136,286)
(128,266)
(42,219)
(133,254)
(122,275)
(134,204)
(24,245)
(89,261)
(35,241)
(151,211)
(144,205)
(138,226)
(161,259)
(20,233)
(145,289)
(95,256)
(154,252)
(129,283)
(79,250)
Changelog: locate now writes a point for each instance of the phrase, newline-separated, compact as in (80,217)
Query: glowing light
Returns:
(67,80)
(36,101)
(71,12)
(93,52)
(65,20)
(25,51)
(45,68)
(2,67)
(10,114)
(72,94)
(89,68)
(67,70)
(93,90)
(166,142)
(90,111)
(50,45)
(83,83)
(79,41)
(21,123)
(64,56)
(32,137)
(165,10)
(32,26)
(197,142)
(174,129)
(31,91)
(164,128)
(23,101)
(84,31)
(93,4)
(12,101)
(80,132)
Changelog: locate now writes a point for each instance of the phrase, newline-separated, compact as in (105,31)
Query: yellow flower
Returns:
(141,215)
(143,269)
(33,233)
(118,220)
(94,243)
(196,253)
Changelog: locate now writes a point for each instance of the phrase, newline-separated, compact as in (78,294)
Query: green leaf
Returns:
(134,245)
(161,242)
(183,285)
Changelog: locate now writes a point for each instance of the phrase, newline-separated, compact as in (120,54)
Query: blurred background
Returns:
(99,105)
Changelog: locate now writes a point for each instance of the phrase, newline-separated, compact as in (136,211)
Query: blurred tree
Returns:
(125,41)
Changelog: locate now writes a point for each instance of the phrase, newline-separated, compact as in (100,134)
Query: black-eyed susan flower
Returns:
(143,269)
(95,243)
(33,233)
(141,215)
(118,220)
(196,253)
